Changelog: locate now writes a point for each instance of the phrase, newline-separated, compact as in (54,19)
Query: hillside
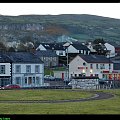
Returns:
(55,28)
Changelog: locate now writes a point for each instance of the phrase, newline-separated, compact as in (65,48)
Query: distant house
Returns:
(27,69)
(49,57)
(90,65)
(57,47)
(77,48)
(110,48)
(5,70)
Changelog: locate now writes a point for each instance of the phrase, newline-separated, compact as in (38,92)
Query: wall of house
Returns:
(76,67)
(111,48)
(31,77)
(41,47)
(71,49)
(50,61)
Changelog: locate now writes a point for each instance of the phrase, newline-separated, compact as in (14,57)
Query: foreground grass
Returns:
(108,106)
(42,94)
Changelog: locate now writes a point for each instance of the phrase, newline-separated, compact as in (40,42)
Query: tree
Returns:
(98,41)
(2,47)
(21,48)
(11,49)
(98,45)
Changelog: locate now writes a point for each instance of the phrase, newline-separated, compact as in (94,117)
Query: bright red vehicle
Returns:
(11,86)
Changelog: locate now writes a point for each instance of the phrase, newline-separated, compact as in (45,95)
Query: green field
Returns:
(106,106)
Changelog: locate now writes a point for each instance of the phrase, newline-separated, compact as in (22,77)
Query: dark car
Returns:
(11,86)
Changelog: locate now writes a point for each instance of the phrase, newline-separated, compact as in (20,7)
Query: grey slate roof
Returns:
(80,47)
(95,59)
(23,57)
(4,58)
(47,53)
(53,46)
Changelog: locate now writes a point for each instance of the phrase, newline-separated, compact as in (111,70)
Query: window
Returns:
(91,66)
(81,51)
(102,66)
(96,75)
(84,64)
(60,52)
(37,69)
(18,68)
(75,75)
(25,80)
(97,66)
(2,69)
(18,80)
(28,69)
(37,80)
(109,66)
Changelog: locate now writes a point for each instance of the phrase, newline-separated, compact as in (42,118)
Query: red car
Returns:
(11,86)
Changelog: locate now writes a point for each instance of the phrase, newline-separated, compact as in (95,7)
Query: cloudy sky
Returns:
(102,9)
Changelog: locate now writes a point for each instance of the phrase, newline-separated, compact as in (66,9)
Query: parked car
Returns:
(11,86)
(49,77)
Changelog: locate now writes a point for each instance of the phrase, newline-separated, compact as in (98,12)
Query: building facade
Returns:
(27,69)
(90,65)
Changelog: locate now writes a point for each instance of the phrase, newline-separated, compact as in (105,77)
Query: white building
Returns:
(110,48)
(27,69)
(90,65)
(77,48)
(57,47)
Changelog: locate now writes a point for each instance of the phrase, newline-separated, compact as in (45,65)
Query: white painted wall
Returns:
(71,49)
(23,74)
(78,62)
(7,69)
(40,47)
(111,48)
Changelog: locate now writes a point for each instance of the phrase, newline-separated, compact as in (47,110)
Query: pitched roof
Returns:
(48,53)
(53,46)
(4,58)
(23,57)
(95,59)
(80,47)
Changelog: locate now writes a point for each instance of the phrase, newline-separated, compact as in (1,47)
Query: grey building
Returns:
(49,57)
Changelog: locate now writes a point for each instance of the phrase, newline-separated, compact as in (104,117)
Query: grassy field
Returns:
(42,94)
(108,106)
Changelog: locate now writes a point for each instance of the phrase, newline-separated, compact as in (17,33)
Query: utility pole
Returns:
(67,65)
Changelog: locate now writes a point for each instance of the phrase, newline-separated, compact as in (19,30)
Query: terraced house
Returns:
(25,69)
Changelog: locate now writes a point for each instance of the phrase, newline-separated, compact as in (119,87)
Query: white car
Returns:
(49,77)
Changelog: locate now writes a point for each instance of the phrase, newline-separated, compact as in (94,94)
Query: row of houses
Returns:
(27,68)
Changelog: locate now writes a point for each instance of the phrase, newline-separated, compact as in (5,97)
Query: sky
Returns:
(102,9)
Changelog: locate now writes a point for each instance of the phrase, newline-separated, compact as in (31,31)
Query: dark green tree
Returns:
(98,41)
(98,45)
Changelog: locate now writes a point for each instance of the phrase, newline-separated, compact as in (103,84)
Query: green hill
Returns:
(48,28)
